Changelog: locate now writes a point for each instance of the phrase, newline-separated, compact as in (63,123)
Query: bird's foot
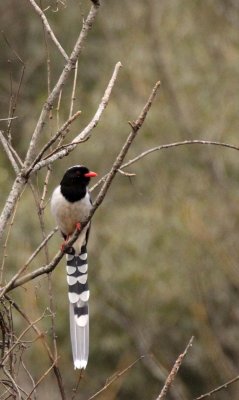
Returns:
(70,250)
(78,226)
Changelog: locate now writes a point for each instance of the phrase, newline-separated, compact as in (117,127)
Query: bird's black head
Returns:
(75,181)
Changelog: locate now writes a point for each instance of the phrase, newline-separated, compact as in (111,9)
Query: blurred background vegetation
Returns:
(164,245)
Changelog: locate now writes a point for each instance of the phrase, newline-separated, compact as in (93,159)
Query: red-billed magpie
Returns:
(71,205)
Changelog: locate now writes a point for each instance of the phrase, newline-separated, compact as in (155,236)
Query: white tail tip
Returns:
(80,364)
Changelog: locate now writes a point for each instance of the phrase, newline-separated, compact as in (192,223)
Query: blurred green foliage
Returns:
(163,248)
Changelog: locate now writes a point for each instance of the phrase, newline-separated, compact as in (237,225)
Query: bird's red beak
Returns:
(90,174)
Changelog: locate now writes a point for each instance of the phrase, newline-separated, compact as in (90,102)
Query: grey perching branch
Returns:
(164,147)
(136,125)
(86,132)
(48,28)
(21,179)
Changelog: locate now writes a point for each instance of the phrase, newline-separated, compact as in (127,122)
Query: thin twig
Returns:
(176,144)
(30,259)
(70,65)
(73,95)
(8,152)
(13,98)
(8,118)
(21,180)
(218,389)
(77,384)
(6,241)
(130,174)
(116,376)
(41,379)
(45,344)
(174,371)
(19,338)
(15,386)
(58,110)
(48,28)
(59,133)
(86,132)
(117,164)
(165,147)
(31,378)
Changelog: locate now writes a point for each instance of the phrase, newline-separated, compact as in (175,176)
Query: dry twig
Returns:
(21,179)
(116,376)
(218,389)
(86,132)
(48,28)
(41,336)
(136,125)
(174,371)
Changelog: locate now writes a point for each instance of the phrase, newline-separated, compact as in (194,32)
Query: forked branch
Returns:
(136,125)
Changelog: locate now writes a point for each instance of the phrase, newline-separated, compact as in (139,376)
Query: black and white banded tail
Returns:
(78,292)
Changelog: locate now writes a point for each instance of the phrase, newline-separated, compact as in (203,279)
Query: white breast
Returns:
(67,214)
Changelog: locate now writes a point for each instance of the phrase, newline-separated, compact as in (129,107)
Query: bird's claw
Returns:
(78,226)
(70,250)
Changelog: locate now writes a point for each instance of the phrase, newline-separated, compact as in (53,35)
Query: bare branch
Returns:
(116,376)
(85,134)
(48,350)
(164,147)
(20,337)
(218,389)
(8,152)
(7,119)
(21,180)
(70,65)
(176,144)
(48,28)
(21,270)
(117,164)
(129,174)
(73,90)
(15,386)
(41,379)
(60,132)
(174,371)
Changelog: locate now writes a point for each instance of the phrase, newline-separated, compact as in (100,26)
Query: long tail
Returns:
(77,278)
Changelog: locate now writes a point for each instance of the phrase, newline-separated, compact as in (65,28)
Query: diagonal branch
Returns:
(64,128)
(136,125)
(8,152)
(21,179)
(48,28)
(86,132)
(218,389)
(41,336)
(70,65)
(24,267)
(116,376)
(164,147)
(177,144)
(174,371)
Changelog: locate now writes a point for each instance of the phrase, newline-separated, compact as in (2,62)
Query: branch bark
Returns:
(174,371)
(48,28)
(136,125)
(21,179)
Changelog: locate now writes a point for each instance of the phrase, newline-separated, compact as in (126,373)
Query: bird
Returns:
(71,205)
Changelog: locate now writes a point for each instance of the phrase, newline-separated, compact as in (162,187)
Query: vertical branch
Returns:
(60,83)
(136,125)
(48,28)
(174,371)
(6,243)
(21,179)
(45,344)
(73,91)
